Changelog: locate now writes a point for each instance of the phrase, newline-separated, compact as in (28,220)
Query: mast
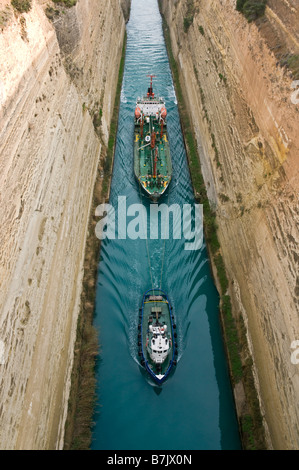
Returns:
(150,92)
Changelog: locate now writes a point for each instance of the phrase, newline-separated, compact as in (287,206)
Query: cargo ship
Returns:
(152,161)
(156,335)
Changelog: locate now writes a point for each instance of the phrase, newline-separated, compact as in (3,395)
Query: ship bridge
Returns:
(150,107)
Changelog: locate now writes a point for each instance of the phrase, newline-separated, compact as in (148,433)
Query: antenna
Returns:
(152,76)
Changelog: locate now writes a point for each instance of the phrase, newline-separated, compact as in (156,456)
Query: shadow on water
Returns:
(157,390)
(196,409)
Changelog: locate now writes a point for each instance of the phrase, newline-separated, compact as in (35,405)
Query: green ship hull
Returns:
(152,161)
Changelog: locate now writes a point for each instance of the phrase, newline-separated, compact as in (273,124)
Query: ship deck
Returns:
(153,177)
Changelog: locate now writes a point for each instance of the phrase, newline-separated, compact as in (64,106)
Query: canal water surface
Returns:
(194,408)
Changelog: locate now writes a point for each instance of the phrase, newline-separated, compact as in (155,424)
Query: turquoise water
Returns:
(194,408)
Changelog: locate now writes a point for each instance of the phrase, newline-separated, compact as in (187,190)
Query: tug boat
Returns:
(156,336)
(152,162)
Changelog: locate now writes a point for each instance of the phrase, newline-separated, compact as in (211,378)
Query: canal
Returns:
(194,408)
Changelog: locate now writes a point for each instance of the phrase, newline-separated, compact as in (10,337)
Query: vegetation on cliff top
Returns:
(291,61)
(188,19)
(5,16)
(254,9)
(67,3)
(51,12)
(22,6)
(251,9)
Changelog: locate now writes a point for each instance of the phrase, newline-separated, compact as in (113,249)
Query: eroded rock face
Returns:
(55,75)
(244,109)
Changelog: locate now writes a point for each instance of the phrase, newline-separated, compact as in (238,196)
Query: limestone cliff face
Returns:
(54,76)
(244,109)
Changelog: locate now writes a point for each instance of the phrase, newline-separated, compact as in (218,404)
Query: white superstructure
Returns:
(159,345)
(150,107)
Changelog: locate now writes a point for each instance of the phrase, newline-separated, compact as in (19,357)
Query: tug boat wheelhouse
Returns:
(156,336)
(152,162)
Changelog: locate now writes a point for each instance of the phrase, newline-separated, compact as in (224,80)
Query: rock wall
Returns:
(244,109)
(55,76)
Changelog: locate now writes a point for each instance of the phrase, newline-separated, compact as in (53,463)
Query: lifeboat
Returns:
(163,113)
(137,112)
